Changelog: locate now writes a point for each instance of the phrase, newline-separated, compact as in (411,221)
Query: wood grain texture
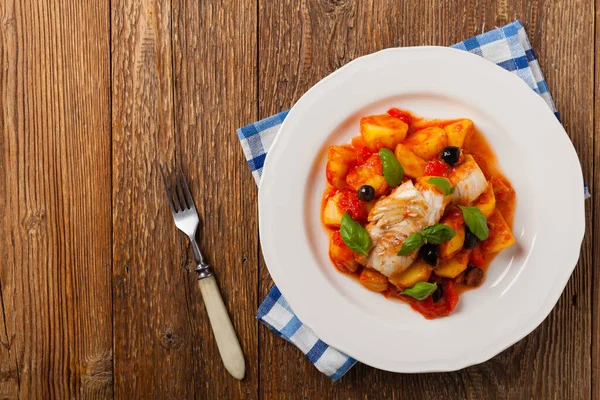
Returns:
(595,204)
(55,200)
(215,72)
(163,342)
(300,42)
(96,282)
(152,340)
(9,369)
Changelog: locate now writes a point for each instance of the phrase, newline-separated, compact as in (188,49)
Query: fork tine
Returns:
(188,195)
(178,189)
(171,193)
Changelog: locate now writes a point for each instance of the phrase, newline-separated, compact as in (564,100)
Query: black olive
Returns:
(473,276)
(429,253)
(438,294)
(471,241)
(366,193)
(450,155)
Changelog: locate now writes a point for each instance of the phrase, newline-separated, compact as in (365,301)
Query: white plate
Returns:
(523,283)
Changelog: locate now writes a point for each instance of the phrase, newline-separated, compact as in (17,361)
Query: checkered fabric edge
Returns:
(507,47)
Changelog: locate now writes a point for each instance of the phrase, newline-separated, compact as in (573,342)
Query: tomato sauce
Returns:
(350,203)
(420,123)
(436,168)
(362,151)
(476,145)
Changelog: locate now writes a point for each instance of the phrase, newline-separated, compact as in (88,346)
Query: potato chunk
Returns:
(454,220)
(417,272)
(427,143)
(458,131)
(453,267)
(500,236)
(373,280)
(339,161)
(413,165)
(370,173)
(379,131)
(340,254)
(486,202)
(332,213)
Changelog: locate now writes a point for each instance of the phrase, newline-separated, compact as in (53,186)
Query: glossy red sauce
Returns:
(479,148)
(476,145)
(350,203)
(436,168)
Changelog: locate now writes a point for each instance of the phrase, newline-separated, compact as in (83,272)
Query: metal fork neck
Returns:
(202,268)
(197,253)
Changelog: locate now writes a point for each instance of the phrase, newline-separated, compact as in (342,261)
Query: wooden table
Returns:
(98,293)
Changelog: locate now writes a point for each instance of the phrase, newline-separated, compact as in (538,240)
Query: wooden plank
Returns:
(55,199)
(595,206)
(163,343)
(563,359)
(300,42)
(152,343)
(9,376)
(215,93)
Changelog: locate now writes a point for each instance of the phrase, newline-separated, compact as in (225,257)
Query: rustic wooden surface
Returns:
(55,199)
(97,288)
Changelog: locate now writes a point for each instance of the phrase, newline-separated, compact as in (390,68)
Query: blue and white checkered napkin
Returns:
(509,48)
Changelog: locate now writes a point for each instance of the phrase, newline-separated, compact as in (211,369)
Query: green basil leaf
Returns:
(411,244)
(442,184)
(354,235)
(421,290)
(475,221)
(438,234)
(392,170)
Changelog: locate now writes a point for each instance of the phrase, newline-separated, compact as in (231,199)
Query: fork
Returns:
(186,220)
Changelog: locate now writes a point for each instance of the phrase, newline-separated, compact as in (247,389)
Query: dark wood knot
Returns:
(34,221)
(170,340)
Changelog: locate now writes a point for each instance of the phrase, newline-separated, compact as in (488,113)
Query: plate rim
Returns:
(519,331)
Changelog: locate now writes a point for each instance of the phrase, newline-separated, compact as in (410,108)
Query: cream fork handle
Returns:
(227,341)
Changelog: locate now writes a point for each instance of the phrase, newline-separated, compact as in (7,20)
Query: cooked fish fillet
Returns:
(408,209)
(468,180)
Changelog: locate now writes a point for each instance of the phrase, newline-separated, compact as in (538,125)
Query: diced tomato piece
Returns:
(429,309)
(477,256)
(436,168)
(443,307)
(362,151)
(425,307)
(350,203)
(400,114)
(450,295)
